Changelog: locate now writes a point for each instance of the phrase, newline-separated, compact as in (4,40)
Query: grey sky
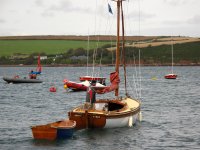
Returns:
(82,17)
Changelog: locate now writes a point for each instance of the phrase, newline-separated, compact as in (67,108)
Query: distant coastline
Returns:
(72,50)
(77,37)
(107,65)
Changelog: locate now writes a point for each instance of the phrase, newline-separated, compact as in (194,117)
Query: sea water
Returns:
(170,109)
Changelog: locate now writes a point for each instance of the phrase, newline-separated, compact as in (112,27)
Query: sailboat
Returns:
(17,79)
(108,113)
(171,75)
(39,67)
(85,81)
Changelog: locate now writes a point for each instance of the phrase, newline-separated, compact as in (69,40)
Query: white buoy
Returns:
(140,116)
(130,121)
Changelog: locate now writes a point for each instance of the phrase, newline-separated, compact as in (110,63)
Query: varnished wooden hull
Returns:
(97,118)
(57,130)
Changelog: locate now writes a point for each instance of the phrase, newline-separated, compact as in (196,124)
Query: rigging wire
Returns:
(123,49)
(109,25)
(88,47)
(140,88)
(137,77)
(95,52)
(172,47)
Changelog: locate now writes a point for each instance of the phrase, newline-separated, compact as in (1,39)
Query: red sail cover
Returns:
(114,79)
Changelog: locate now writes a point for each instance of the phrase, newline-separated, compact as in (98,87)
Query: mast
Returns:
(39,68)
(118,42)
(123,49)
(172,54)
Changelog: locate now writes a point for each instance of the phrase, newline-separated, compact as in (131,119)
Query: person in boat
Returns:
(16,76)
(91,95)
(32,75)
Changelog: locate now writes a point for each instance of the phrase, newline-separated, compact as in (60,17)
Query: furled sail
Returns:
(114,79)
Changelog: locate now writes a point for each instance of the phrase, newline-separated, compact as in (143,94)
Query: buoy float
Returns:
(130,121)
(65,86)
(153,78)
(140,116)
(52,89)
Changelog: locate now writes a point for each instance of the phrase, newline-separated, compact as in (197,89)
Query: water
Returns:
(170,110)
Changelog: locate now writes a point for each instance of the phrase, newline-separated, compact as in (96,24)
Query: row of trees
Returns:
(71,56)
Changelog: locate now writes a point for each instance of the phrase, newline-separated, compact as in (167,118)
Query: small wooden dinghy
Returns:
(21,80)
(57,130)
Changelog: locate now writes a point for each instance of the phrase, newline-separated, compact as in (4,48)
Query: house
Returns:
(41,57)
(78,57)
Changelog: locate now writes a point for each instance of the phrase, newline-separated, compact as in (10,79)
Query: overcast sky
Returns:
(83,17)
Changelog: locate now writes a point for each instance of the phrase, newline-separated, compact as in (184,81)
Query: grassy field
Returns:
(9,47)
(154,50)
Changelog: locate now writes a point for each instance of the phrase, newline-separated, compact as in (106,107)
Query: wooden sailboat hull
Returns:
(118,114)
(21,80)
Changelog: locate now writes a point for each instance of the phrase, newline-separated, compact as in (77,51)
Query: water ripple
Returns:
(170,110)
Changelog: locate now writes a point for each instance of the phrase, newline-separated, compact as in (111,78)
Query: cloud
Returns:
(172,22)
(39,3)
(134,15)
(175,2)
(47,14)
(64,7)
(194,20)
(2,21)
(67,6)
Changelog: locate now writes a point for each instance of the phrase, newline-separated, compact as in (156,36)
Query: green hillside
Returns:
(75,51)
(162,54)
(10,47)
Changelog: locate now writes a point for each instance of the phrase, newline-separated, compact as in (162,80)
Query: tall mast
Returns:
(172,54)
(123,49)
(118,36)
(118,42)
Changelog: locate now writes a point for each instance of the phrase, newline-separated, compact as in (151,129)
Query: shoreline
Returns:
(107,65)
